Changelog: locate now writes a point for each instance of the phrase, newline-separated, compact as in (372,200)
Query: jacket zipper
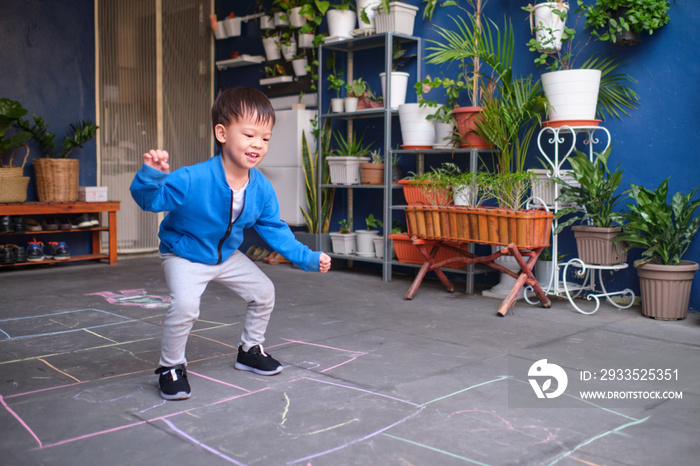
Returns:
(231,222)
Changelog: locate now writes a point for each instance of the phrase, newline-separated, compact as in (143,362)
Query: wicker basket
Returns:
(13,183)
(56,179)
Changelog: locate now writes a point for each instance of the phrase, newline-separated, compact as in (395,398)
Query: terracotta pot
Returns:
(466,125)
(372,173)
(407,253)
(415,194)
(666,289)
(595,245)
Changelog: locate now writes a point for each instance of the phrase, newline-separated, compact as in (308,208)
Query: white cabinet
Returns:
(282,164)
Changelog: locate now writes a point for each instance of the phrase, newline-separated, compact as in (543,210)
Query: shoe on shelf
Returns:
(64,223)
(83,221)
(58,250)
(35,251)
(17,253)
(256,360)
(19,224)
(5,255)
(49,223)
(32,225)
(95,221)
(173,383)
(6,224)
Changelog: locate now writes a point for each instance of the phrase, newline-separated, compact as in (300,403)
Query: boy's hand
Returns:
(324,264)
(158,159)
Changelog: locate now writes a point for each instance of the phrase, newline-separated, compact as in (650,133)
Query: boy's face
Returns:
(244,141)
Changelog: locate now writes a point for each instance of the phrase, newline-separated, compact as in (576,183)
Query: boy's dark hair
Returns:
(239,102)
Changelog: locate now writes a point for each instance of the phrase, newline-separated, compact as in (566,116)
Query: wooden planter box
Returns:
(527,229)
(406,252)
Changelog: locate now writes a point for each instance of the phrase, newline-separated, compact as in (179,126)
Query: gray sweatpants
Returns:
(187,281)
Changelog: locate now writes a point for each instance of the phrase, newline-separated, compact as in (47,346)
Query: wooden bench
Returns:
(69,208)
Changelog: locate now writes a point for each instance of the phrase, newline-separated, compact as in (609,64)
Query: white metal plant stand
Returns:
(561,142)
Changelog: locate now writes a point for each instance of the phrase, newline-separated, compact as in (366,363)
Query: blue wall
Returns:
(48,65)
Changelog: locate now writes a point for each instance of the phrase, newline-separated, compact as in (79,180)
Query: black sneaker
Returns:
(173,383)
(35,251)
(17,253)
(256,360)
(5,255)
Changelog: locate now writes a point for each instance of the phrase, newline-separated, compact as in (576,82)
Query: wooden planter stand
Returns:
(524,234)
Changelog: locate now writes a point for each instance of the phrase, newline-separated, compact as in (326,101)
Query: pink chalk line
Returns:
(148,421)
(198,443)
(218,381)
(324,346)
(20,420)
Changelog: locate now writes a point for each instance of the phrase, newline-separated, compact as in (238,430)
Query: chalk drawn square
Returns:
(58,323)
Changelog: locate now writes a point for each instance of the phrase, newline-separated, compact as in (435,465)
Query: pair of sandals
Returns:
(257,253)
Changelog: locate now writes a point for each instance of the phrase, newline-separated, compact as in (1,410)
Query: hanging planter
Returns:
(299,66)
(548,26)
(279,19)
(305,41)
(295,19)
(289,50)
(272,48)
(266,22)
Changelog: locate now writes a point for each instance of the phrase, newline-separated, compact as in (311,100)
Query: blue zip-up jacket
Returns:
(199,226)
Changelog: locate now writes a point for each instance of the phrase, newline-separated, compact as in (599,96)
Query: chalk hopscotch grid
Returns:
(353,355)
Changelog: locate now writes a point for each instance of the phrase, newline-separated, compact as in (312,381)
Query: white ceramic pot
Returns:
(341,23)
(548,26)
(337,105)
(416,129)
(289,50)
(295,19)
(399,84)
(266,22)
(344,243)
(272,48)
(365,242)
(369,6)
(465,195)
(299,66)
(232,26)
(279,20)
(443,135)
(351,104)
(305,41)
(572,94)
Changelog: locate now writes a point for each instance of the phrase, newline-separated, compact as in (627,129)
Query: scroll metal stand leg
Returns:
(578,263)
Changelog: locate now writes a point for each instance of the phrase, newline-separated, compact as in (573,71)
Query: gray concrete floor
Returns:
(369,377)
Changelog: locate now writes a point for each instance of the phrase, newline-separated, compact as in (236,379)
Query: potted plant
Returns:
(344,161)
(271,45)
(310,161)
(344,241)
(365,238)
(355,89)
(398,79)
(369,100)
(341,19)
(664,231)
(300,64)
(372,172)
(366,11)
(288,45)
(56,175)
(379,240)
(335,83)
(623,22)
(398,17)
(594,192)
(13,183)
(598,90)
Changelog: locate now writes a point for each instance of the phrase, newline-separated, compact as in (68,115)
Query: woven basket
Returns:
(56,179)
(13,183)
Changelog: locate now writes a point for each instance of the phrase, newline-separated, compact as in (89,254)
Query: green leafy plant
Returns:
(345,225)
(664,230)
(310,161)
(373,222)
(356,87)
(606,19)
(335,80)
(11,112)
(595,192)
(77,136)
(350,147)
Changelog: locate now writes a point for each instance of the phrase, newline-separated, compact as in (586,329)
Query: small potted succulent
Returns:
(344,241)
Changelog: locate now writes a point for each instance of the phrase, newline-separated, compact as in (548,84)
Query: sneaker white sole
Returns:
(243,367)
(176,396)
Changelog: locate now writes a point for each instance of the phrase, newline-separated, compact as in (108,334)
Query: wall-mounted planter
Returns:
(295,19)
(266,22)
(289,50)
(549,26)
(272,48)
(276,80)
(299,66)
(279,19)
